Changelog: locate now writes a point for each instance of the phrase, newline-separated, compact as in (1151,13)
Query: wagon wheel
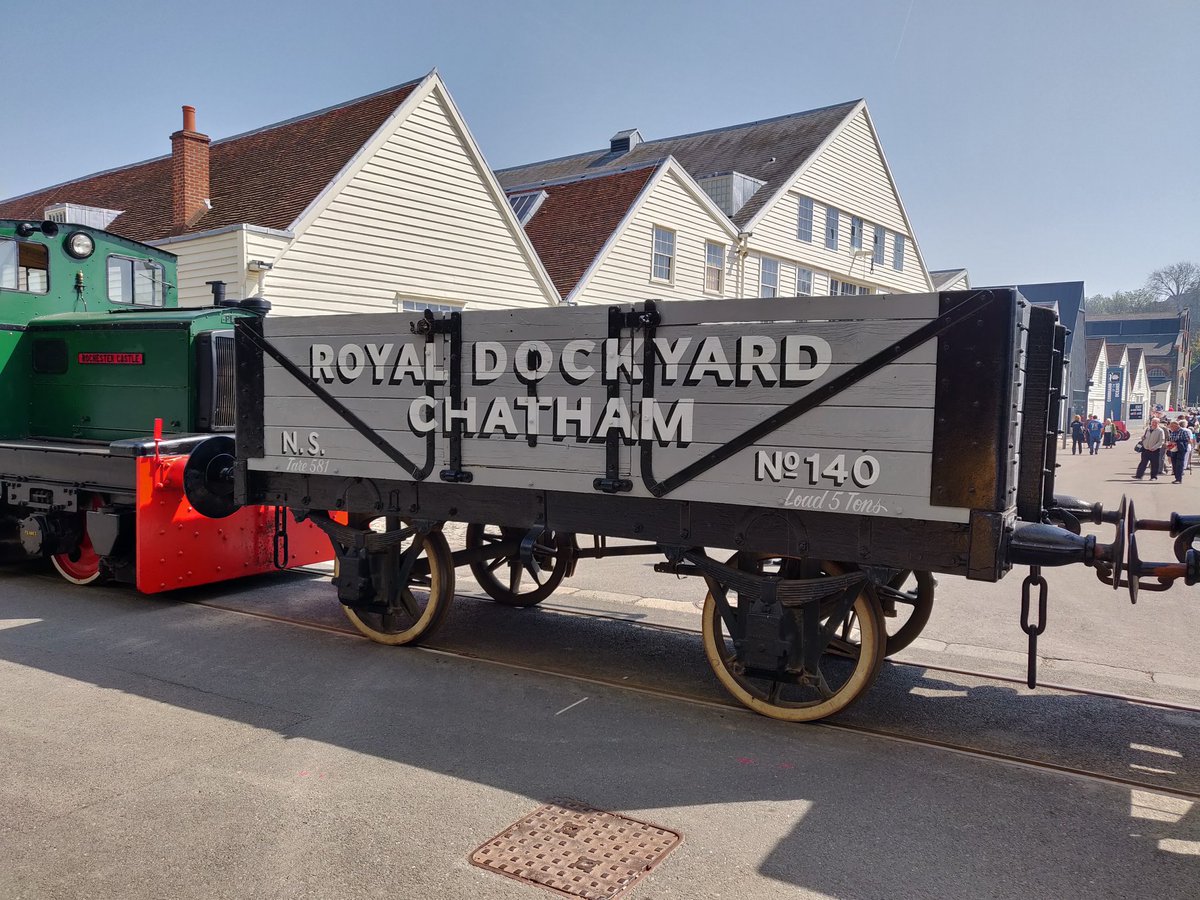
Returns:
(910,594)
(847,668)
(81,565)
(416,608)
(505,579)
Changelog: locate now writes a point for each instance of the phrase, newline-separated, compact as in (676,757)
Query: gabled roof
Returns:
(771,150)
(1135,363)
(1115,352)
(578,217)
(266,177)
(1069,297)
(943,277)
(1094,346)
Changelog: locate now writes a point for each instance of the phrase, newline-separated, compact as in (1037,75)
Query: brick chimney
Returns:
(189,173)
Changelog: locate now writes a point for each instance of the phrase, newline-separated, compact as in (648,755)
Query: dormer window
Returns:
(526,205)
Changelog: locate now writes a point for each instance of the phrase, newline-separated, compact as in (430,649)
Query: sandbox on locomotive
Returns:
(94,349)
(689,425)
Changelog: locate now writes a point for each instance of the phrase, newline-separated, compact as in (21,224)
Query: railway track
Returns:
(730,706)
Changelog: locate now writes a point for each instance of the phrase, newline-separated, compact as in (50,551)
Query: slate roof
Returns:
(770,150)
(266,177)
(578,217)
(1069,297)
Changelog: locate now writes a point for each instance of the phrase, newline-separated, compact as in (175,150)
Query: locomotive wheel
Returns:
(847,668)
(418,606)
(83,565)
(503,577)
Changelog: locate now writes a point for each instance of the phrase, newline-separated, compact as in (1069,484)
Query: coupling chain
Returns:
(1032,580)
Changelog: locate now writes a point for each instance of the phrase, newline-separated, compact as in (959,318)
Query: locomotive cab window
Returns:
(138,282)
(24,266)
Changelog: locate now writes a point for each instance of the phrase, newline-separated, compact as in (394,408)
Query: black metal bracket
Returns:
(453,327)
(418,473)
(620,320)
(969,306)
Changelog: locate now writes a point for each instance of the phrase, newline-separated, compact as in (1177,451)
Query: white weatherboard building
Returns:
(801,204)
(382,203)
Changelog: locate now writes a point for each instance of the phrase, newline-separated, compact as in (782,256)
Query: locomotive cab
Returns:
(94,351)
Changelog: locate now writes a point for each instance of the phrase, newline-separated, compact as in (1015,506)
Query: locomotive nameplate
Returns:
(822,404)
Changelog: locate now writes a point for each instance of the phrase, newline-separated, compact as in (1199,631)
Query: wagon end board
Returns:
(904,406)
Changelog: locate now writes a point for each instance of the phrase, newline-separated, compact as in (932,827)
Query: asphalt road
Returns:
(161,748)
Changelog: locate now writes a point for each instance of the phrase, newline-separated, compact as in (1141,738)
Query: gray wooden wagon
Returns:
(839,449)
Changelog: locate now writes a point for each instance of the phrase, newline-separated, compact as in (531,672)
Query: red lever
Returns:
(157,436)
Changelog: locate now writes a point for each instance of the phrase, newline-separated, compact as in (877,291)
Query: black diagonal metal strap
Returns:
(417,472)
(752,436)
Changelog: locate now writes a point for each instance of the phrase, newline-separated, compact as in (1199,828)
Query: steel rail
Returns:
(951,670)
(732,706)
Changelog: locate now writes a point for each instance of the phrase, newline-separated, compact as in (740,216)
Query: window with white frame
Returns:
(856,233)
(831,228)
(768,279)
(898,252)
(877,247)
(663,266)
(419,306)
(136,281)
(804,224)
(714,268)
(839,288)
(804,282)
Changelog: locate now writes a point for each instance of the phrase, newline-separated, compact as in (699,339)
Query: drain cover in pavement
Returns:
(576,850)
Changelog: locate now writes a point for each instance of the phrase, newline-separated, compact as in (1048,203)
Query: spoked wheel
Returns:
(910,595)
(907,594)
(505,578)
(407,612)
(82,565)
(847,668)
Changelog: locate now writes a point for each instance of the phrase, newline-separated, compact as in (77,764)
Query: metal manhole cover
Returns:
(576,850)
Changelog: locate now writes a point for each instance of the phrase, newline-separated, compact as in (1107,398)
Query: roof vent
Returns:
(624,141)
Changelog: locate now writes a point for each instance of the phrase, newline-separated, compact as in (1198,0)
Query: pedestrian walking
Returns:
(1151,446)
(1177,447)
(1189,435)
(1078,435)
(1094,430)
(1110,434)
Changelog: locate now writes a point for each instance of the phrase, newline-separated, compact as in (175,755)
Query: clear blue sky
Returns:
(1031,140)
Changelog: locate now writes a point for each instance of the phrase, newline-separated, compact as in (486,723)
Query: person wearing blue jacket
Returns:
(1094,430)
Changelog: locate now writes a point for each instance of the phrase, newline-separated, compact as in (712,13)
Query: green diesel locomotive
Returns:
(106,386)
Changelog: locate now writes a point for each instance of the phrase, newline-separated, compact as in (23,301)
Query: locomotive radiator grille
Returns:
(224,410)
(216,392)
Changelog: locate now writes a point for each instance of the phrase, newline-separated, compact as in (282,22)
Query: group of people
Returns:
(1165,441)
(1174,443)
(1092,432)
